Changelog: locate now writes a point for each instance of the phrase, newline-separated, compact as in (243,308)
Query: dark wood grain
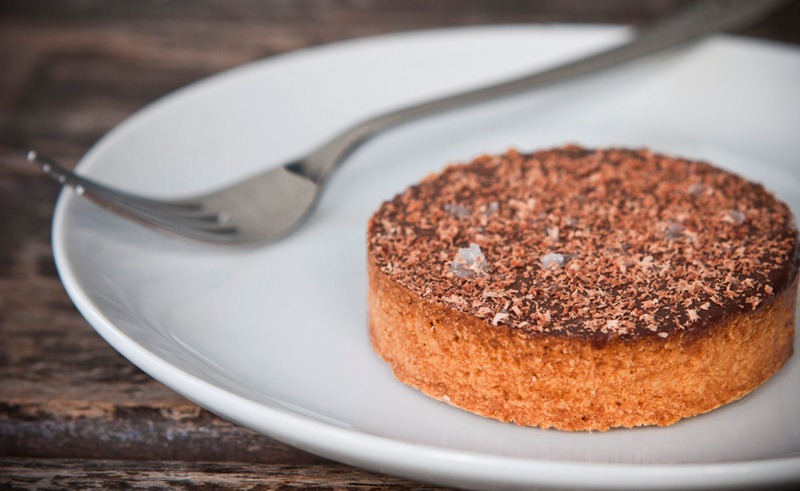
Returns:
(126,474)
(74,413)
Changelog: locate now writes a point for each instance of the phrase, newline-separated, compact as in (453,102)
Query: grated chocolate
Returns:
(578,242)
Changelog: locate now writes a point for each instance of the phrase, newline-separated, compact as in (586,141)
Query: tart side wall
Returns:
(575,384)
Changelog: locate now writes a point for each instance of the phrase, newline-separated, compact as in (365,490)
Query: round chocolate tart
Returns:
(583,289)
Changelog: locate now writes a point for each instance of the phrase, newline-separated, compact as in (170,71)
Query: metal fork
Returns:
(270,205)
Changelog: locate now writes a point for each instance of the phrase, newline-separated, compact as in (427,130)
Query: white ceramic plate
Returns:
(275,338)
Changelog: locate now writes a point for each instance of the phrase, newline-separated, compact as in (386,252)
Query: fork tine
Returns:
(183,218)
(213,231)
(81,184)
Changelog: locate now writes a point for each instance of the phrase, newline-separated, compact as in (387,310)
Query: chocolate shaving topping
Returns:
(593,243)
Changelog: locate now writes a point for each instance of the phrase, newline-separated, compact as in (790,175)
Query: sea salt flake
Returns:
(456,210)
(553,260)
(735,217)
(692,313)
(673,231)
(470,262)
(554,234)
(696,189)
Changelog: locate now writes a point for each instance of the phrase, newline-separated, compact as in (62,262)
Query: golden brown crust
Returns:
(574,384)
(583,289)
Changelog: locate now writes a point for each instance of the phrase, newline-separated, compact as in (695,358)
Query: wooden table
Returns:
(74,413)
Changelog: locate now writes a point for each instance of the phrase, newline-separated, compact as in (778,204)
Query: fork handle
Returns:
(691,23)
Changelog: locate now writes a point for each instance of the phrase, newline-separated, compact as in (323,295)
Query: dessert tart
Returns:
(583,289)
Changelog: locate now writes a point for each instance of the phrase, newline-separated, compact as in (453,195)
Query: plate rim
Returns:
(428,458)
(528,471)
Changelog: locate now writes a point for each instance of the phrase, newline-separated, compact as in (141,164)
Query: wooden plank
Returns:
(163,431)
(126,474)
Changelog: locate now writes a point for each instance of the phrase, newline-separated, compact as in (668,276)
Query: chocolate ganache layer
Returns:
(599,244)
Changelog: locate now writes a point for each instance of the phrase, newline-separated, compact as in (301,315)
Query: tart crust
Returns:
(575,384)
(459,317)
